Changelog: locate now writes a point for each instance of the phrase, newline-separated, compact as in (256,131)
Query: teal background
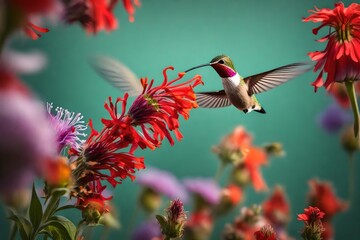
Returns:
(258,36)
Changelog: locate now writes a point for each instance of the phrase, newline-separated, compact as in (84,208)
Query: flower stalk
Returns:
(354,104)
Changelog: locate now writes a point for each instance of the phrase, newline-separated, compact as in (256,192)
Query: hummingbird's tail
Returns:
(262,110)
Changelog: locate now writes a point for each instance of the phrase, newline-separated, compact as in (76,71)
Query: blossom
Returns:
(147,231)
(162,182)
(93,15)
(205,188)
(338,91)
(245,225)
(99,158)
(27,140)
(156,111)
(231,196)
(276,209)
(333,118)
(69,127)
(255,158)
(58,173)
(97,15)
(311,215)
(322,195)
(130,9)
(92,202)
(340,59)
(234,146)
(172,225)
(265,233)
(23,63)
(199,225)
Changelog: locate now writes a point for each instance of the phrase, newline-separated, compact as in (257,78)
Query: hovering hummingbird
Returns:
(239,91)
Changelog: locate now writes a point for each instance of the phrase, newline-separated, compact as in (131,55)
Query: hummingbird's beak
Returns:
(202,65)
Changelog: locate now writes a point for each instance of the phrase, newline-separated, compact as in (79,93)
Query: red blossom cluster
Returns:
(150,119)
(93,15)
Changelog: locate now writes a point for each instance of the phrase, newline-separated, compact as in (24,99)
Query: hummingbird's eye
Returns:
(221,62)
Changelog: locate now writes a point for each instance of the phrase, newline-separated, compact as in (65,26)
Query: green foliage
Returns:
(42,221)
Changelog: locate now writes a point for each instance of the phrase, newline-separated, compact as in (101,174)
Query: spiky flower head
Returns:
(69,127)
(172,225)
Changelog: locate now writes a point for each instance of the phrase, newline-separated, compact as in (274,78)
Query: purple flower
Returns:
(26,140)
(333,118)
(23,63)
(68,126)
(162,182)
(207,188)
(147,231)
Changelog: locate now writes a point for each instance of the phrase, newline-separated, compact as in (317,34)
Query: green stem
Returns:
(219,172)
(354,104)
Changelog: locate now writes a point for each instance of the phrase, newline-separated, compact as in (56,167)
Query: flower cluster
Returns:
(93,15)
(105,156)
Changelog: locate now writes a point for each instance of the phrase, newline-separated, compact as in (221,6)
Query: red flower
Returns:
(155,112)
(92,202)
(341,58)
(34,31)
(338,91)
(265,233)
(129,7)
(322,195)
(276,208)
(311,215)
(93,15)
(100,152)
(255,158)
(233,193)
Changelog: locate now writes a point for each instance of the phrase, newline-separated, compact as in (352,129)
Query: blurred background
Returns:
(258,36)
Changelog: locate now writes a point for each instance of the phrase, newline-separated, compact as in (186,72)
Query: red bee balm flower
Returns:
(255,158)
(276,208)
(311,215)
(155,111)
(341,57)
(265,233)
(323,196)
(100,152)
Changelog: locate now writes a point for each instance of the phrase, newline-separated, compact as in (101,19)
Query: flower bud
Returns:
(348,140)
(150,200)
(274,149)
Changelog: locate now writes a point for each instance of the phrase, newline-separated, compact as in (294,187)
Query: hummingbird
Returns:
(240,91)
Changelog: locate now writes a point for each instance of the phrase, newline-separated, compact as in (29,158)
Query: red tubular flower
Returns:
(322,195)
(311,215)
(129,7)
(92,202)
(276,209)
(34,31)
(100,152)
(341,58)
(255,158)
(93,15)
(265,233)
(155,111)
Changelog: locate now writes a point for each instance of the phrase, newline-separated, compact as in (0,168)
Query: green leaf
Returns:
(65,208)
(161,219)
(23,224)
(35,210)
(60,228)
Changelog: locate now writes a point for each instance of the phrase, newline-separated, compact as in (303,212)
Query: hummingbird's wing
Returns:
(267,80)
(117,74)
(212,99)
